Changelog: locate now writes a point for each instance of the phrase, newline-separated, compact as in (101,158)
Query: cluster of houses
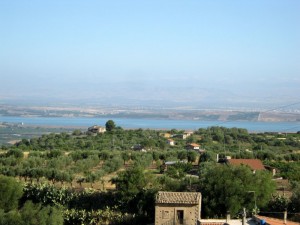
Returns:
(183,136)
(184,208)
(254,164)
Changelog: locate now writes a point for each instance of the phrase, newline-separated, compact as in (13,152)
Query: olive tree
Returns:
(230,188)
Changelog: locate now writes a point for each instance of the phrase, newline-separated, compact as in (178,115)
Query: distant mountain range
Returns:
(177,113)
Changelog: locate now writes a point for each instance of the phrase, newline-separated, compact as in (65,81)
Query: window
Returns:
(165,214)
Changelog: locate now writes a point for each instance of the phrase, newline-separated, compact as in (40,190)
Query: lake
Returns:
(131,123)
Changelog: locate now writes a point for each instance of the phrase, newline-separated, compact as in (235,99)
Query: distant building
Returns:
(97,129)
(188,133)
(193,146)
(165,165)
(166,135)
(171,142)
(177,208)
(138,147)
(254,164)
(183,136)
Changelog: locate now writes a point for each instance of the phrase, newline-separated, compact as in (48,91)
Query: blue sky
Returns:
(229,51)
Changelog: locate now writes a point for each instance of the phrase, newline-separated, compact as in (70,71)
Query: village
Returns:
(212,176)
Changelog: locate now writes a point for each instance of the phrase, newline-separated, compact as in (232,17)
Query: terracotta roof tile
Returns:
(194,145)
(178,197)
(254,164)
(212,223)
(273,221)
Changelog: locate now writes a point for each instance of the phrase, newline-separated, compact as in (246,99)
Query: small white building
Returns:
(97,129)
(171,142)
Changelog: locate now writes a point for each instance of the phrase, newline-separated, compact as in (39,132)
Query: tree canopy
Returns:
(110,125)
(230,188)
(10,193)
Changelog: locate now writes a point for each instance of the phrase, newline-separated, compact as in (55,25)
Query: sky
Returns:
(193,52)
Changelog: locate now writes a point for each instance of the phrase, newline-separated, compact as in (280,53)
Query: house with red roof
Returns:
(193,146)
(254,164)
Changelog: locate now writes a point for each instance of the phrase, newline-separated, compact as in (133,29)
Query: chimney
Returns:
(244,217)
(227,217)
(285,216)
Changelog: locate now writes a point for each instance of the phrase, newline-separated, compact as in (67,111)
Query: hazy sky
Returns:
(152,50)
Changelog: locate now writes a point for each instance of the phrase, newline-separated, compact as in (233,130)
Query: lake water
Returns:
(154,123)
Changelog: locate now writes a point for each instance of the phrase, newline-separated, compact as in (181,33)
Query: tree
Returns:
(191,156)
(90,177)
(181,155)
(11,218)
(130,182)
(76,132)
(230,188)
(125,157)
(10,193)
(17,153)
(208,157)
(295,198)
(278,203)
(36,214)
(110,125)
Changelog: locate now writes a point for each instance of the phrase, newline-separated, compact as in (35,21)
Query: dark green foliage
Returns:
(92,200)
(130,182)
(11,218)
(278,203)
(112,165)
(16,153)
(36,214)
(191,156)
(226,188)
(170,184)
(77,133)
(142,159)
(144,204)
(182,155)
(208,157)
(29,214)
(295,199)
(110,125)
(54,154)
(287,170)
(178,170)
(47,194)
(10,193)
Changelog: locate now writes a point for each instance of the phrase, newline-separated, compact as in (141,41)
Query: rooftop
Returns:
(194,145)
(248,221)
(273,221)
(178,197)
(254,164)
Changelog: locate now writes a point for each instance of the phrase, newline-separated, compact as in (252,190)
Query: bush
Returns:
(17,153)
(10,193)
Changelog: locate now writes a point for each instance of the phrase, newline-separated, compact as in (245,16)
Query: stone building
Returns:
(176,208)
(97,129)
